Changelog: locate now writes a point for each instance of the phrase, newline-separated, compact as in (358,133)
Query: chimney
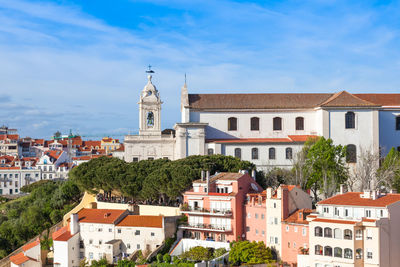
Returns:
(74,225)
(253,174)
(341,189)
(202,175)
(269,192)
(208,181)
(374,195)
(367,194)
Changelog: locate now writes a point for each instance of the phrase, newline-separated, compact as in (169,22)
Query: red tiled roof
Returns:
(31,245)
(223,176)
(354,199)
(334,221)
(54,153)
(105,216)
(62,234)
(368,220)
(142,221)
(20,258)
(381,99)
(39,141)
(345,99)
(10,168)
(294,217)
(91,143)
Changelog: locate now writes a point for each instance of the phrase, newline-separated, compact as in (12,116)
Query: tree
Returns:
(325,167)
(198,254)
(364,174)
(246,252)
(219,252)
(299,164)
(167,258)
(57,134)
(389,172)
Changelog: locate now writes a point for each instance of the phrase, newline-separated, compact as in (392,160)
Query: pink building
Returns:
(215,205)
(255,214)
(295,235)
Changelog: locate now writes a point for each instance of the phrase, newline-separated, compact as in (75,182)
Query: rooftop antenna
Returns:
(149,69)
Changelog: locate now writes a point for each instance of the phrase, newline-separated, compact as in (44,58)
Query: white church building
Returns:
(266,129)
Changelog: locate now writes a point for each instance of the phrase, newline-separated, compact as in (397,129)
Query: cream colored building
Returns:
(355,229)
(94,234)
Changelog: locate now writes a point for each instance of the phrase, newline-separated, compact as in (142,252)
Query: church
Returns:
(268,129)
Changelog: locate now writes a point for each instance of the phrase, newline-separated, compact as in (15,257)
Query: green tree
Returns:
(389,172)
(167,258)
(219,252)
(325,166)
(198,254)
(246,252)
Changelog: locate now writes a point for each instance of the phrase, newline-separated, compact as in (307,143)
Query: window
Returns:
(359,234)
(288,244)
(274,205)
(338,252)
(294,244)
(351,154)
(135,159)
(254,124)
(238,153)
(289,153)
(299,123)
(304,231)
(152,234)
(337,233)
(350,119)
(90,241)
(276,220)
(100,242)
(295,229)
(119,231)
(110,230)
(318,250)
(150,158)
(348,253)
(256,216)
(91,255)
(262,216)
(138,246)
(346,212)
(263,232)
(327,232)
(256,231)
(328,251)
(254,153)
(247,229)
(348,234)
(277,124)
(359,253)
(368,213)
(369,253)
(271,153)
(128,246)
(210,151)
(336,211)
(276,240)
(137,232)
(287,228)
(232,124)
(398,123)
(318,231)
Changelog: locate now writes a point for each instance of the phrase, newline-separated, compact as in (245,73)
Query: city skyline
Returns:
(81,66)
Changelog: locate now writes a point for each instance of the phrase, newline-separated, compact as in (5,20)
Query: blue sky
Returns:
(80,64)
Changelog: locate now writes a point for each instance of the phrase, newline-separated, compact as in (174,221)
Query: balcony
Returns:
(206,227)
(203,211)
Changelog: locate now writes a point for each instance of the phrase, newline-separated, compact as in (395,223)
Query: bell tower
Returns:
(149,108)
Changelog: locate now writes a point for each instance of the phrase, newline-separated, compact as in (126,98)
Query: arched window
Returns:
(350,119)
(254,153)
(338,252)
(238,153)
(359,253)
(348,253)
(254,124)
(318,231)
(337,233)
(327,232)
(398,123)
(289,153)
(271,153)
(299,123)
(328,251)
(210,151)
(232,124)
(351,154)
(348,234)
(318,250)
(277,123)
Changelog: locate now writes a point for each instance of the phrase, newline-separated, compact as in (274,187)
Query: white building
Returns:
(266,129)
(50,162)
(30,256)
(94,234)
(355,229)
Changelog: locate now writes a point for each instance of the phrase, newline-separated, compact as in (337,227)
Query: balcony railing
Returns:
(208,227)
(223,212)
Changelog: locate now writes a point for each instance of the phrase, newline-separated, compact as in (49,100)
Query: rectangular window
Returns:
(138,246)
(276,240)
(295,229)
(276,220)
(304,231)
(150,158)
(248,215)
(369,253)
(137,232)
(263,233)
(262,216)
(109,230)
(119,231)
(91,255)
(247,229)
(152,234)
(346,212)
(398,123)
(368,213)
(256,231)
(256,215)
(135,159)
(287,228)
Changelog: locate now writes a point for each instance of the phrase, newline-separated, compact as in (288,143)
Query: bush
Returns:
(167,258)
(159,258)
(198,254)
(219,252)
(245,252)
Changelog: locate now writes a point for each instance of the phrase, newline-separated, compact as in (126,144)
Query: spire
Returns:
(184,95)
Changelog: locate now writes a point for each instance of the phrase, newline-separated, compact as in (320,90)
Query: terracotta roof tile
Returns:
(381,99)
(105,216)
(31,245)
(334,221)
(345,99)
(296,218)
(223,176)
(142,221)
(354,199)
(20,258)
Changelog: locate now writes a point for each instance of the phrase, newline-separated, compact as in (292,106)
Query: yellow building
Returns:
(109,144)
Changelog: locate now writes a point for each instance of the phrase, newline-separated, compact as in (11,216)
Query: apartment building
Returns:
(255,216)
(355,229)
(9,144)
(93,234)
(109,144)
(280,204)
(30,256)
(215,204)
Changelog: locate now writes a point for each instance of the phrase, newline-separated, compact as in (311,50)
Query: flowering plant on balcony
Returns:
(303,251)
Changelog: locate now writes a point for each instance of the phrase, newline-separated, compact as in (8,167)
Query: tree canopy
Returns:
(153,180)
(246,252)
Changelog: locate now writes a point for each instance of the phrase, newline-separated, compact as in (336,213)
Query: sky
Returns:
(80,65)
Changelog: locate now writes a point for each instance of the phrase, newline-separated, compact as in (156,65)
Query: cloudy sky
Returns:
(80,65)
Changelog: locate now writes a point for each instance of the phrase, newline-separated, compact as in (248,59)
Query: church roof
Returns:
(291,101)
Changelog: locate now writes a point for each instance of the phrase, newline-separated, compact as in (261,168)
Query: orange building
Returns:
(255,214)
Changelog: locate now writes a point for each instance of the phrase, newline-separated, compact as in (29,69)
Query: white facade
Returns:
(13,178)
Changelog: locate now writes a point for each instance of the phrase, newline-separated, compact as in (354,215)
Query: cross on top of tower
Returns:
(149,69)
